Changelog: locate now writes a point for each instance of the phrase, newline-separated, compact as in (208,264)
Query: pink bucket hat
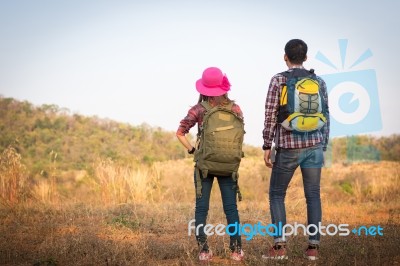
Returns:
(213,82)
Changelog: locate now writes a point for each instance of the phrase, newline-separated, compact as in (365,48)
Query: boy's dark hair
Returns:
(296,51)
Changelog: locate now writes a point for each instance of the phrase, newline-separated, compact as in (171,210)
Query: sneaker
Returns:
(237,255)
(277,252)
(311,253)
(205,255)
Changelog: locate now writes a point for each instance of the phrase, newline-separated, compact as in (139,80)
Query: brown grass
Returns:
(127,215)
(13,179)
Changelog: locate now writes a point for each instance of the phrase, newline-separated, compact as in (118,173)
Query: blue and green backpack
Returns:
(302,108)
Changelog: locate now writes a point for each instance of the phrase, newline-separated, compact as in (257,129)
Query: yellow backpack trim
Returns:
(305,122)
(283,99)
(307,86)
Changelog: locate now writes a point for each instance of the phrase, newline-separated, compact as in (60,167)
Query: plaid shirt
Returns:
(195,115)
(288,139)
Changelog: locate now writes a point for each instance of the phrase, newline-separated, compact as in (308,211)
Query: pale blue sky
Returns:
(137,61)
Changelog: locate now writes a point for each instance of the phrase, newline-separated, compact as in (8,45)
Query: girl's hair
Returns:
(215,100)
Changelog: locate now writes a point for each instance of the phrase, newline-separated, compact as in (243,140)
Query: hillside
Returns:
(47,135)
(42,134)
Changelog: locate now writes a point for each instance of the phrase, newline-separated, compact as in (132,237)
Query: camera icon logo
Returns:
(353,96)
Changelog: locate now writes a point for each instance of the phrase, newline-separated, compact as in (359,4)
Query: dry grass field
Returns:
(125,215)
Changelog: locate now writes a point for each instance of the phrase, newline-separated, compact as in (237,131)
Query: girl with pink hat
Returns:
(213,87)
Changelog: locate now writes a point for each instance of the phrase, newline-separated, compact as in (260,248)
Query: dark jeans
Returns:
(310,161)
(228,195)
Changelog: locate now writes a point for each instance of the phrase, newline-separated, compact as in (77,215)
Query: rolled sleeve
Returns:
(189,121)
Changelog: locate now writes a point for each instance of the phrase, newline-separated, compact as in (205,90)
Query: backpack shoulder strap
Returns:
(286,73)
(229,106)
(206,105)
(298,72)
(209,110)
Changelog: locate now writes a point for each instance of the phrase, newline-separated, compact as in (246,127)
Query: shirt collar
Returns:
(298,67)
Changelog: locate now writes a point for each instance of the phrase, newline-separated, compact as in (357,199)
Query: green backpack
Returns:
(220,141)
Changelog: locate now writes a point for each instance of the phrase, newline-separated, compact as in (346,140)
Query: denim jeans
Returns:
(228,194)
(310,160)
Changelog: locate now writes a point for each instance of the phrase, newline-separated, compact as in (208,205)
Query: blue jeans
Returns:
(228,195)
(310,160)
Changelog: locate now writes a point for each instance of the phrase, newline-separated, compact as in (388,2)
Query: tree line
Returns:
(47,134)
